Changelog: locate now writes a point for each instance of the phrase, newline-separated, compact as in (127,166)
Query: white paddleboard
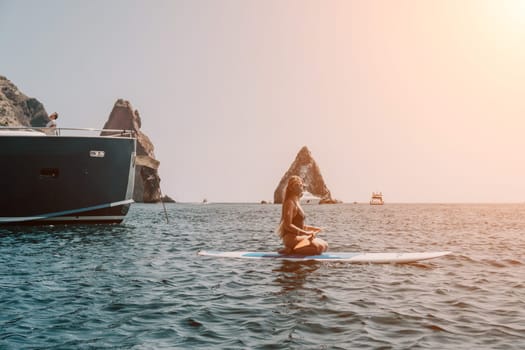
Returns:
(372,258)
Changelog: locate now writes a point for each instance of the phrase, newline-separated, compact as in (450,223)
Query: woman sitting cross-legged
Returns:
(297,237)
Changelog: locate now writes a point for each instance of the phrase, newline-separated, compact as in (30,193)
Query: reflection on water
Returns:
(291,275)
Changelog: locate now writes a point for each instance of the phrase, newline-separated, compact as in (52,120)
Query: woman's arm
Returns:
(313,229)
(289,212)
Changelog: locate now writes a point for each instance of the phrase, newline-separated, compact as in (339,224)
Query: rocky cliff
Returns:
(147,180)
(305,166)
(16,109)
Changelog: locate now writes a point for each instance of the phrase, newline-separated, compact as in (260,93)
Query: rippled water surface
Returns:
(140,285)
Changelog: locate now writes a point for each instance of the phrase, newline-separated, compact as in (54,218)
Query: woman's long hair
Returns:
(292,180)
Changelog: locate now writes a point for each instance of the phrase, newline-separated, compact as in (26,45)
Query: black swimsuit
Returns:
(298,220)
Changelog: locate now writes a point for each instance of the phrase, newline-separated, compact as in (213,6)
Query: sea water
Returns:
(141,285)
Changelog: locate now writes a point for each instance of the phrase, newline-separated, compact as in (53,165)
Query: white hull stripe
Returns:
(65,212)
(84,218)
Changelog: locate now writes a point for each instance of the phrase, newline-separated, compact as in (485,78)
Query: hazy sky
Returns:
(422,100)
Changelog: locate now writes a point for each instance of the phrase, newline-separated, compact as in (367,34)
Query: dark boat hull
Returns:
(61,179)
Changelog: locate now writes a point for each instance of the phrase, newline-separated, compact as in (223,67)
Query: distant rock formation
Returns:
(305,166)
(16,109)
(147,180)
(168,199)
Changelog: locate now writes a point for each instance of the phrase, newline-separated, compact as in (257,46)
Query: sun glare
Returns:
(511,13)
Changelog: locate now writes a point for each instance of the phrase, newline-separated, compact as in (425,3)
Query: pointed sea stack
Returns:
(16,109)
(305,166)
(147,180)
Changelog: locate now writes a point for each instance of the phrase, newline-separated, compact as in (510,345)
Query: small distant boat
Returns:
(309,198)
(377,198)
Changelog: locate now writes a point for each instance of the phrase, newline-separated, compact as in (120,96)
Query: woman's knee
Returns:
(321,247)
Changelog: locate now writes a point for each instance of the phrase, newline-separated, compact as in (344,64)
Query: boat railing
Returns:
(43,131)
